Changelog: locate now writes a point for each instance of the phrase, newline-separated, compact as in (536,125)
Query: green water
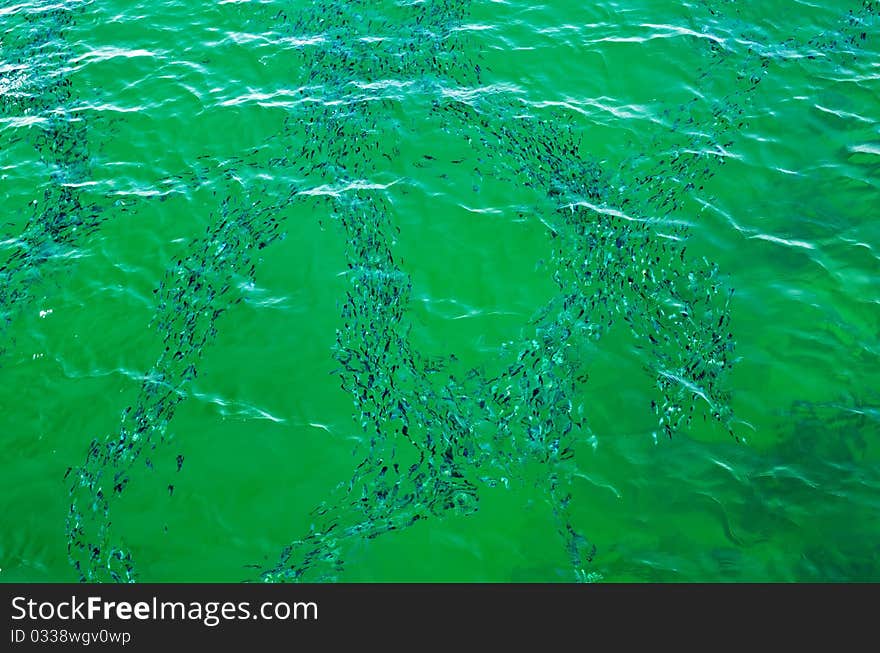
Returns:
(439,291)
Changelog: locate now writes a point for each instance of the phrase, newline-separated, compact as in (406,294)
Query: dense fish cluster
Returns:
(435,431)
(617,256)
(37,105)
